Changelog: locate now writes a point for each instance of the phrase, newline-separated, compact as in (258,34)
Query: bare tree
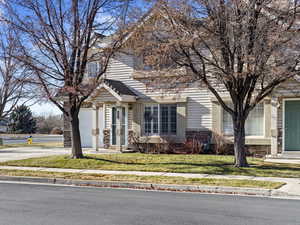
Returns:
(15,87)
(58,39)
(46,123)
(243,48)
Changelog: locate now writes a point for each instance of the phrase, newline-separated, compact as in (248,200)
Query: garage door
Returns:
(85,125)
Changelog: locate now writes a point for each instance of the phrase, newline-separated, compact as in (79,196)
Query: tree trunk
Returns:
(239,142)
(76,142)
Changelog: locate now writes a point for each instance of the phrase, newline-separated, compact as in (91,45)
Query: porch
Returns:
(285,128)
(106,119)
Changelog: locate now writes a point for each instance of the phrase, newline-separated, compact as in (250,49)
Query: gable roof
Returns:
(119,87)
(117,90)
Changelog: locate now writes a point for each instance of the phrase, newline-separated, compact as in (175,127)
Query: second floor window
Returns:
(93,69)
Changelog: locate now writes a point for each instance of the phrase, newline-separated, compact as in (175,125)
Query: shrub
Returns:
(166,146)
(56,130)
(222,146)
(46,123)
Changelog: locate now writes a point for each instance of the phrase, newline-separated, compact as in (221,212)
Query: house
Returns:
(123,102)
(130,101)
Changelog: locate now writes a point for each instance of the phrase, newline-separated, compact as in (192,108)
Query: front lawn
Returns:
(148,179)
(210,164)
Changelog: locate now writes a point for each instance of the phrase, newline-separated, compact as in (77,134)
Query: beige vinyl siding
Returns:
(130,118)
(106,96)
(107,116)
(199,100)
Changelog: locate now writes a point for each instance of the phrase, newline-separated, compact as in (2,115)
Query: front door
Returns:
(292,125)
(119,126)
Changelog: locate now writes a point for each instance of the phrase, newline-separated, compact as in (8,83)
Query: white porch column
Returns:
(274,128)
(95,131)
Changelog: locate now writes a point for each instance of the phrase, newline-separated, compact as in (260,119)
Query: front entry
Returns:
(292,125)
(119,126)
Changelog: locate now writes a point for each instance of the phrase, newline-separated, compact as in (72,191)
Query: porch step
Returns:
(286,155)
(128,151)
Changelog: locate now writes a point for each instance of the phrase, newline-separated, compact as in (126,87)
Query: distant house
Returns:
(3,126)
(129,101)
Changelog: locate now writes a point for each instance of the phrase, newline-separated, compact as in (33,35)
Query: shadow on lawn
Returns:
(112,161)
(217,167)
(216,162)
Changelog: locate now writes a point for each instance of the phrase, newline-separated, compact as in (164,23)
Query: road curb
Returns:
(149,186)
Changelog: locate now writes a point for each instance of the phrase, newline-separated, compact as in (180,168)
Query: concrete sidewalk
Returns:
(292,187)
(287,161)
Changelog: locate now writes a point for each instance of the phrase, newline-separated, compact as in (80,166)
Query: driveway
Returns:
(29,152)
(18,153)
(21,139)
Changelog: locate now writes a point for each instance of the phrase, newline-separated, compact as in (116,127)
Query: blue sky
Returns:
(46,108)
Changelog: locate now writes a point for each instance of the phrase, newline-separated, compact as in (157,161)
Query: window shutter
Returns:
(137,122)
(181,120)
(217,117)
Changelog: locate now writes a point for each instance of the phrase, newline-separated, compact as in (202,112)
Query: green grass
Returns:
(209,164)
(40,145)
(148,179)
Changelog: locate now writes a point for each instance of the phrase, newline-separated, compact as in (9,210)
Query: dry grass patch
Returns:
(40,145)
(148,179)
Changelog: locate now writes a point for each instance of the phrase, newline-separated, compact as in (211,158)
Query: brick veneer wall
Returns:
(106,138)
(203,136)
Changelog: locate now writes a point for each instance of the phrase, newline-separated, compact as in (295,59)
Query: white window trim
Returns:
(110,126)
(284,100)
(247,136)
(97,68)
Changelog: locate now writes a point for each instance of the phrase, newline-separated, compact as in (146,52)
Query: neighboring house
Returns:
(129,101)
(3,126)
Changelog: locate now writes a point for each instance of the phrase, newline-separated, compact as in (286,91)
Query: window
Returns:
(151,119)
(254,125)
(160,119)
(92,69)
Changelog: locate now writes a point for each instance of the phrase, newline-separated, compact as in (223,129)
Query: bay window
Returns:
(254,125)
(160,119)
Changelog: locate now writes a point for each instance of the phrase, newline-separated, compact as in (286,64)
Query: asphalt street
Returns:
(28,204)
